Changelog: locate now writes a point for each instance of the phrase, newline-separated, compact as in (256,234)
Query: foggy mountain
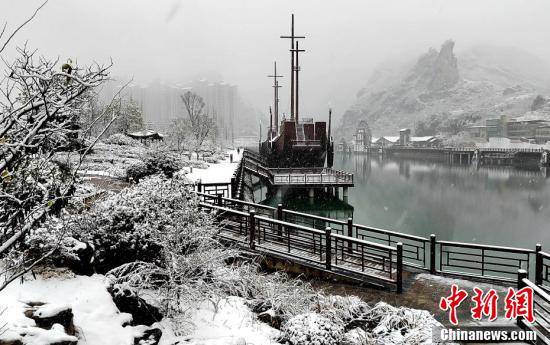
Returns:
(478,83)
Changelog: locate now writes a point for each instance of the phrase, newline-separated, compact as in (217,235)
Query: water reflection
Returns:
(497,205)
(323,205)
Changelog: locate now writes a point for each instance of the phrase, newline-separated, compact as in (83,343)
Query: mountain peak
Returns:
(435,70)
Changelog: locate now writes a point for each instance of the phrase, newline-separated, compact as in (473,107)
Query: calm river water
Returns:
(490,205)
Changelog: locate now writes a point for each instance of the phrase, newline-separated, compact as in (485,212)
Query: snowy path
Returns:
(216,173)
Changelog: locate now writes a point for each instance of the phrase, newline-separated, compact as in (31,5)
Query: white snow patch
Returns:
(233,323)
(96,317)
(39,336)
(50,309)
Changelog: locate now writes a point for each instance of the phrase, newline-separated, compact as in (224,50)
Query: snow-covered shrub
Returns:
(278,293)
(124,227)
(343,308)
(399,325)
(358,336)
(154,237)
(138,170)
(312,328)
(122,139)
(155,162)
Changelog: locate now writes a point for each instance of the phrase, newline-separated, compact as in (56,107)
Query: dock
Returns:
(312,178)
(482,156)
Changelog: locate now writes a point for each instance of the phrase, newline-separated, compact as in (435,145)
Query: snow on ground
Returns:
(216,173)
(96,317)
(232,324)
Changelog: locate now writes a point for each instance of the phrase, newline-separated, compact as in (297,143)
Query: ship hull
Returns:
(298,146)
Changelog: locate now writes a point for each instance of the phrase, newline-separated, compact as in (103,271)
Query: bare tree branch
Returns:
(20,26)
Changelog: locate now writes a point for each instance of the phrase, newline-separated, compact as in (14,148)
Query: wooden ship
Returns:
(295,142)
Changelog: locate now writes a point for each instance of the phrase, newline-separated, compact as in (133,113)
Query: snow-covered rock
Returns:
(96,318)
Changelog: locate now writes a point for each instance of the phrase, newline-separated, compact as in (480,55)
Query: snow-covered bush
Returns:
(312,328)
(278,294)
(122,139)
(350,321)
(155,162)
(400,325)
(342,308)
(153,237)
(125,227)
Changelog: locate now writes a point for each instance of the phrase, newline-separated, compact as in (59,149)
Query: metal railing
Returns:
(414,247)
(542,268)
(299,176)
(235,223)
(485,261)
(321,249)
(349,241)
(313,221)
(541,309)
(306,142)
(239,205)
(355,255)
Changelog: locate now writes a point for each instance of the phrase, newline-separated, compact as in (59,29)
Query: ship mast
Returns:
(297,51)
(276,96)
(292,67)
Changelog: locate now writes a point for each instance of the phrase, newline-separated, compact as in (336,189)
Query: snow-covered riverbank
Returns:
(216,173)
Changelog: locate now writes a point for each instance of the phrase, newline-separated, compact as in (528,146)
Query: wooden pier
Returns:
(307,178)
(468,155)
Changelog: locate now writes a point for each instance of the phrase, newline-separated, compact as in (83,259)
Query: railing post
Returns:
(350,234)
(219,200)
(280,217)
(328,248)
(399,275)
(233,186)
(538,264)
(199,186)
(252,229)
(432,253)
(522,274)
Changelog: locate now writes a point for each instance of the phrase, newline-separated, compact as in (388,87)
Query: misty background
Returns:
(175,42)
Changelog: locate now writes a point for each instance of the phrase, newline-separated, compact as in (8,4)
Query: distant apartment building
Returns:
(515,129)
(220,99)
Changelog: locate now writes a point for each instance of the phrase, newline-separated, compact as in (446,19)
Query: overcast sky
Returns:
(174,40)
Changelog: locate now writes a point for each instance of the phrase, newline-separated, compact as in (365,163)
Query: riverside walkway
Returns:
(370,255)
(375,256)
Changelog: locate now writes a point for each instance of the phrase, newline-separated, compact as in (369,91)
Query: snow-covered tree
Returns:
(40,104)
(128,114)
(200,123)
